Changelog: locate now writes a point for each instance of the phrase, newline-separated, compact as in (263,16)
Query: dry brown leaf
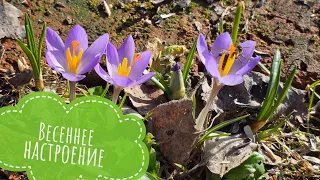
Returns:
(225,153)
(145,98)
(172,124)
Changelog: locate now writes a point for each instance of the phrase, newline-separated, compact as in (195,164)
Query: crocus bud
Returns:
(176,83)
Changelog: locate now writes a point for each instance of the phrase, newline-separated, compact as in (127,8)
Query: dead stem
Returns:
(204,112)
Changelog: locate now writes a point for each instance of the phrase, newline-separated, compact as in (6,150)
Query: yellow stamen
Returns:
(231,58)
(124,69)
(73,59)
(228,65)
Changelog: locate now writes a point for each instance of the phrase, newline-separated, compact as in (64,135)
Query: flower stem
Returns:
(72,90)
(204,112)
(116,92)
(39,83)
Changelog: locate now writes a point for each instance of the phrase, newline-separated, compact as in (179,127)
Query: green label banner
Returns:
(87,139)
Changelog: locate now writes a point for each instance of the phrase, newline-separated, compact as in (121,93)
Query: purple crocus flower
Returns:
(125,67)
(225,65)
(74,58)
(223,62)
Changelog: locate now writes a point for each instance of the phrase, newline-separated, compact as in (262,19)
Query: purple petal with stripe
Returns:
(112,59)
(127,49)
(231,79)
(53,40)
(78,34)
(222,42)
(140,65)
(143,79)
(92,55)
(249,66)
(73,77)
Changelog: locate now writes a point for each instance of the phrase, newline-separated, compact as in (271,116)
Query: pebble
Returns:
(68,20)
(184,3)
(59,5)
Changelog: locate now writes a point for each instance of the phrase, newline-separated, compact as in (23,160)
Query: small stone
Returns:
(40,21)
(198,25)
(184,3)
(59,5)
(68,21)
(26,3)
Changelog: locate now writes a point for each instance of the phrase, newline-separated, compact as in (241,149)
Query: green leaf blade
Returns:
(236,23)
(272,86)
(34,65)
(219,126)
(43,34)
(189,61)
(283,93)
(30,34)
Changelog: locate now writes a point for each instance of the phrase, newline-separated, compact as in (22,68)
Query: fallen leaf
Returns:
(144,98)
(21,79)
(172,124)
(225,153)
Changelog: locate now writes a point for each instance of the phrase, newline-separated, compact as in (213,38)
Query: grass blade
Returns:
(33,62)
(43,34)
(160,82)
(236,23)
(312,88)
(157,82)
(264,68)
(283,93)
(187,65)
(123,100)
(272,85)
(268,132)
(30,34)
(221,29)
(103,94)
(219,126)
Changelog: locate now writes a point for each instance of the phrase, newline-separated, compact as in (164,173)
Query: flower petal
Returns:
(92,55)
(56,61)
(140,65)
(235,67)
(78,34)
(222,42)
(103,74)
(73,77)
(211,65)
(202,47)
(143,79)
(89,65)
(122,81)
(127,49)
(231,80)
(112,59)
(53,40)
(249,66)
(247,51)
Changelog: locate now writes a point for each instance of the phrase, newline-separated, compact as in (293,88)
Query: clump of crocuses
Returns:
(125,67)
(74,58)
(225,64)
